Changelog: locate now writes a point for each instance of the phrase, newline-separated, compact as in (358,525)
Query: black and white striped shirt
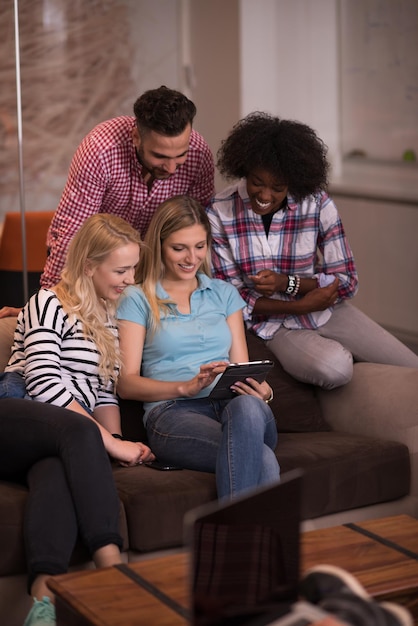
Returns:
(58,362)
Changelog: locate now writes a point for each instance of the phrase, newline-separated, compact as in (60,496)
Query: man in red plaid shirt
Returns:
(128,166)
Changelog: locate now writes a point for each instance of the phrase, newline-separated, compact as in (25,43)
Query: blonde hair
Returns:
(172,215)
(98,237)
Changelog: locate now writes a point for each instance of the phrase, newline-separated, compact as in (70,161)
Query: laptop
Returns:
(245,555)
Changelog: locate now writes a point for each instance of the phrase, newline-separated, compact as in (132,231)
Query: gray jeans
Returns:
(325,356)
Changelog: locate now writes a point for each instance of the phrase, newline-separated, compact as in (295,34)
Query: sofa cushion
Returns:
(155,503)
(341,472)
(7,329)
(345,471)
(131,414)
(12,505)
(295,404)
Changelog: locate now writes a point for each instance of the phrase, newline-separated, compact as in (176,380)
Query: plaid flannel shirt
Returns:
(305,238)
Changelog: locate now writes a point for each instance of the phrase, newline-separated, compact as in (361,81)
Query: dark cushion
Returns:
(345,471)
(295,405)
(12,501)
(131,414)
(11,293)
(341,472)
(156,501)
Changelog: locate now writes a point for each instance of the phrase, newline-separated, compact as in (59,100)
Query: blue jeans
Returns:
(12,385)
(233,438)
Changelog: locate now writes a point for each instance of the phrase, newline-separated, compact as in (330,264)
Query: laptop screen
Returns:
(245,554)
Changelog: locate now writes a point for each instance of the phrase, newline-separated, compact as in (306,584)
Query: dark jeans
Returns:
(61,457)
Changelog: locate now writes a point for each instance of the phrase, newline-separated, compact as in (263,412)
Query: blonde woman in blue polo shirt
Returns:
(178,329)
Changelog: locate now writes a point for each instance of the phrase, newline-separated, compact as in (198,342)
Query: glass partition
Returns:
(65,67)
(81,62)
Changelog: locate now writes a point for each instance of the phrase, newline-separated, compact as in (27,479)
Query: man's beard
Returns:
(154,172)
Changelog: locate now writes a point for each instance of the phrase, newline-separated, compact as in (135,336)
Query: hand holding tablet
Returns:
(239,372)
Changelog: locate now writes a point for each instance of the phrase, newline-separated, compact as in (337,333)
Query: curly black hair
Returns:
(164,111)
(288,150)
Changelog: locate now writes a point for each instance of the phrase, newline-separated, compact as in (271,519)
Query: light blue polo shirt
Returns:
(183,342)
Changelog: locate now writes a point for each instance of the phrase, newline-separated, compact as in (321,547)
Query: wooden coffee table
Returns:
(382,554)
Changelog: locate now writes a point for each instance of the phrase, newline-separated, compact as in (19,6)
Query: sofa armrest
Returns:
(7,329)
(380,401)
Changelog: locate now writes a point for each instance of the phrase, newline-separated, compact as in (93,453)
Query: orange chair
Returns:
(11,258)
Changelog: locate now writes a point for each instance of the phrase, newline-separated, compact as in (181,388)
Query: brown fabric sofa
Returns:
(356,444)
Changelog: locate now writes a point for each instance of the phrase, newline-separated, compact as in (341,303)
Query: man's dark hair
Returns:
(288,150)
(165,111)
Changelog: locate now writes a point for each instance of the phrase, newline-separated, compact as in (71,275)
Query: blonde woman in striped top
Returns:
(59,435)
(65,346)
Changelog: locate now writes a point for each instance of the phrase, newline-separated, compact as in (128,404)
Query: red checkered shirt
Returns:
(106,177)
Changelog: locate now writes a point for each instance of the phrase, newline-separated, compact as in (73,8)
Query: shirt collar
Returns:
(205,282)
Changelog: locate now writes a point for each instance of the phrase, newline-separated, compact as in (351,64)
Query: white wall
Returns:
(289,65)
(384,240)
(379,78)
(215,62)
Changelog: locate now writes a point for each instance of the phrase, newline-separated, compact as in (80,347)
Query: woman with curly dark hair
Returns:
(278,238)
